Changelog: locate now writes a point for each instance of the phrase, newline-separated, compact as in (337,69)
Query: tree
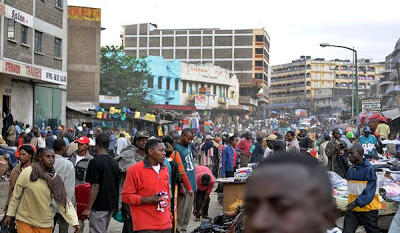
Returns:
(126,77)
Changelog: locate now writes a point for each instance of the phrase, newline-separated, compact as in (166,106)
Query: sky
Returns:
(295,27)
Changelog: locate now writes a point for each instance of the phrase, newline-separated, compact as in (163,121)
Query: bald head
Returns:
(358,148)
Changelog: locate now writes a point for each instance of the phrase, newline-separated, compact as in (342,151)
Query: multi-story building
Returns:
(33,60)
(388,87)
(244,52)
(182,86)
(315,83)
(84,27)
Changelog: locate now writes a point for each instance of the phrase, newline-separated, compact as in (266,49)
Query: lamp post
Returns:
(356,100)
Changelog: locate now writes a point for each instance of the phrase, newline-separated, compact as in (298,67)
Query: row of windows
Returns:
(160,83)
(193,88)
(38,38)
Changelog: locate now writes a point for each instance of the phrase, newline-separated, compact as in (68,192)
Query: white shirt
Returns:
(78,158)
(41,142)
(120,144)
(27,130)
(157,168)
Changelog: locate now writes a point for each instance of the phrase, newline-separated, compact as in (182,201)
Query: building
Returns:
(181,86)
(244,52)
(84,27)
(319,85)
(388,87)
(33,61)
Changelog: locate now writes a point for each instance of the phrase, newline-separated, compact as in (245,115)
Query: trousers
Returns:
(199,201)
(26,228)
(395,225)
(99,220)
(185,206)
(369,220)
(62,224)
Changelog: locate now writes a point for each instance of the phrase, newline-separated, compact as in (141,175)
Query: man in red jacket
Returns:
(146,191)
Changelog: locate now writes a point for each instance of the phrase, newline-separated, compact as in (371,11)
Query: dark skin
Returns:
(199,212)
(279,202)
(25,158)
(94,188)
(289,137)
(140,143)
(336,135)
(82,149)
(46,161)
(155,156)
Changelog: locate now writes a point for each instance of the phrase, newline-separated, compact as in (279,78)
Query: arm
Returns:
(94,191)
(17,194)
(13,180)
(69,214)
(178,159)
(368,193)
(70,182)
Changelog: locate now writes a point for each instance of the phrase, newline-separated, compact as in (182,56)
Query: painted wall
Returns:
(165,70)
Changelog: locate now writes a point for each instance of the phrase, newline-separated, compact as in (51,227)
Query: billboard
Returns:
(84,13)
(372,104)
(200,102)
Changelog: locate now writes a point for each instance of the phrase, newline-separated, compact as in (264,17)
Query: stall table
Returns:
(232,191)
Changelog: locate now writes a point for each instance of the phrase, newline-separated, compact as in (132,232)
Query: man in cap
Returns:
(129,156)
(363,198)
(369,143)
(80,159)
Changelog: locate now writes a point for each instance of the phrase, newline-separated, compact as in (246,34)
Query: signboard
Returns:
(301,112)
(108,99)
(205,91)
(17,15)
(372,104)
(84,13)
(34,72)
(200,102)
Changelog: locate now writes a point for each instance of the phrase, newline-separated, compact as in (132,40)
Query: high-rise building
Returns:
(245,52)
(33,60)
(84,27)
(315,84)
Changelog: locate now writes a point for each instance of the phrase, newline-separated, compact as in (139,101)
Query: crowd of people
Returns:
(83,178)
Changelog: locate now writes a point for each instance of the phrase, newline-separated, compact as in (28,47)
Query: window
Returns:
(259,38)
(183,87)
(190,88)
(38,41)
(159,82)
(176,84)
(259,51)
(168,83)
(57,47)
(219,91)
(259,63)
(59,4)
(24,34)
(214,90)
(150,82)
(11,29)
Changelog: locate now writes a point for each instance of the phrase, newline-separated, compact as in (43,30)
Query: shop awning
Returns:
(392,114)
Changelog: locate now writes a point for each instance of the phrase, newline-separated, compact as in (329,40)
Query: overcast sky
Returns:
(295,27)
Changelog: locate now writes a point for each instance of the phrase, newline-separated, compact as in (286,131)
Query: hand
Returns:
(351,206)
(191,193)
(86,213)
(76,229)
(150,200)
(7,221)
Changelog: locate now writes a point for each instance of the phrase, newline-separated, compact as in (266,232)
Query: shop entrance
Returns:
(6,103)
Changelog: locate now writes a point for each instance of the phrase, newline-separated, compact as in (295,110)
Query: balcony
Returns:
(247,100)
(395,88)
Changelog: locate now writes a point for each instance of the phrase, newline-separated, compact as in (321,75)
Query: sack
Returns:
(117,216)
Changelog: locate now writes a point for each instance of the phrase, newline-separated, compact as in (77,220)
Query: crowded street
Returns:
(199,117)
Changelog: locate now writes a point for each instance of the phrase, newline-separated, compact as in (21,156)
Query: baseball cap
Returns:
(83,140)
(142,134)
(350,135)
(367,129)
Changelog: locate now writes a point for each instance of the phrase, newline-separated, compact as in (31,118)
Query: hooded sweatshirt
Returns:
(362,187)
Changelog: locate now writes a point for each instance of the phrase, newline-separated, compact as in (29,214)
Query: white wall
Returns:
(21,100)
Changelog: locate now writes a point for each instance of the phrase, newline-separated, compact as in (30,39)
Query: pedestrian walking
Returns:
(65,169)
(229,158)
(363,197)
(104,177)
(243,147)
(146,190)
(31,203)
(185,201)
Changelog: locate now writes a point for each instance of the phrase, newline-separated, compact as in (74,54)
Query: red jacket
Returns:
(143,181)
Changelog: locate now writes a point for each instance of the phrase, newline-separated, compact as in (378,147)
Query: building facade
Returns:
(316,84)
(33,60)
(243,52)
(84,27)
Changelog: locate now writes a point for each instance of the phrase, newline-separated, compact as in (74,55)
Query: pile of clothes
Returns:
(222,224)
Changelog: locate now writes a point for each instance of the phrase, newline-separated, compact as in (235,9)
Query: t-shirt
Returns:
(383,130)
(121,144)
(188,164)
(103,170)
(157,168)
(200,171)
(78,158)
(368,143)
(245,146)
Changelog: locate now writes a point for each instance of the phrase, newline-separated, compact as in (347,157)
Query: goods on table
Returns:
(242,174)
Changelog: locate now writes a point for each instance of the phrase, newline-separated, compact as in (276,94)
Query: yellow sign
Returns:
(84,13)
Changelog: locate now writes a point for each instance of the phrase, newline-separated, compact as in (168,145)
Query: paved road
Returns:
(116,227)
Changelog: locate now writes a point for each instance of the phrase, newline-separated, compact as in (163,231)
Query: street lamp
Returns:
(356,68)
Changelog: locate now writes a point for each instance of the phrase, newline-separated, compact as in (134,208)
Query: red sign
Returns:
(12,68)
(33,72)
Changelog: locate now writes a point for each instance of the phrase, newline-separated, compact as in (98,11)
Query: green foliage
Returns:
(124,76)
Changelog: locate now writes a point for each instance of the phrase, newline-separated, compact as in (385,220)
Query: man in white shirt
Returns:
(121,143)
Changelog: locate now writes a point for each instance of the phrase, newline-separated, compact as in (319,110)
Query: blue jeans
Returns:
(395,225)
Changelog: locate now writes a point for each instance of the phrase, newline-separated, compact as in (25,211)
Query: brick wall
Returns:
(13,49)
(47,11)
(23,5)
(46,56)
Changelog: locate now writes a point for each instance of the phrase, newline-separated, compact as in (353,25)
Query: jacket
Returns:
(305,143)
(362,187)
(31,203)
(227,161)
(65,169)
(293,146)
(257,154)
(80,167)
(143,181)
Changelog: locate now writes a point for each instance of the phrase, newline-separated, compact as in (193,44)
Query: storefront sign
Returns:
(84,13)
(17,15)
(372,104)
(108,99)
(34,72)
